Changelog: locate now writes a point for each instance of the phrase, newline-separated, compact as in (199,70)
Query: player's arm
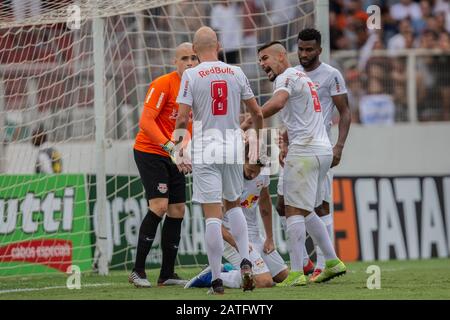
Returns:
(265,209)
(147,123)
(255,113)
(275,103)
(181,134)
(338,93)
(226,235)
(247,122)
(345,118)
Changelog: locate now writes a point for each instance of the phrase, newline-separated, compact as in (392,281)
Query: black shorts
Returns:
(160,177)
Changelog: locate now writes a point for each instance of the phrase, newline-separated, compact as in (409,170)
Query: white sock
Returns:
(318,232)
(231,279)
(297,236)
(328,221)
(214,245)
(283,225)
(238,229)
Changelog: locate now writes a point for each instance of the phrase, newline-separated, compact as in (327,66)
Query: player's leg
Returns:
(308,265)
(155,178)
(317,229)
(233,184)
(207,190)
(278,269)
(324,212)
(171,230)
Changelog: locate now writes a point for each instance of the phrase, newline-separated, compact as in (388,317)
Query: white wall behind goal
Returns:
(403,149)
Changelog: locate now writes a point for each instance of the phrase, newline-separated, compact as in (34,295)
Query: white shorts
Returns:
(212,182)
(327,186)
(261,262)
(303,180)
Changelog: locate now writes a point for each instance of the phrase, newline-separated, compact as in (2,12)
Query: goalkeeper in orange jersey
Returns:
(164,184)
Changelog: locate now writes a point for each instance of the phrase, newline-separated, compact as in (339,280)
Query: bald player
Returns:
(164,184)
(308,159)
(213,91)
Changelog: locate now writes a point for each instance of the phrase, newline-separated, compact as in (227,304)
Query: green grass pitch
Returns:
(419,279)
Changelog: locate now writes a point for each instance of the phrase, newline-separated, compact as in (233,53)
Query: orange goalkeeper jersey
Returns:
(159,115)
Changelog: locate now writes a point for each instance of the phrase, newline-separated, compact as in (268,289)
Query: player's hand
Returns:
(185,164)
(269,246)
(337,153)
(251,138)
(169,147)
(247,123)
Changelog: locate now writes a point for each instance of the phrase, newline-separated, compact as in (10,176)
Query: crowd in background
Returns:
(405,24)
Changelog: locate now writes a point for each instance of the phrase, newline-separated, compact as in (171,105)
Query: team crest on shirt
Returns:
(259,184)
(162,187)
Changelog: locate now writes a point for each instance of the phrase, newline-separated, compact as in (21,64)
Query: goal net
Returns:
(74,75)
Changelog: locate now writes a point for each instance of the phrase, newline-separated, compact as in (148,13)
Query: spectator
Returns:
(405,9)
(402,40)
(226,20)
(376,107)
(442,64)
(49,159)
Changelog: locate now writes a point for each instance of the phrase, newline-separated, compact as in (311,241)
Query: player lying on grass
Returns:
(268,265)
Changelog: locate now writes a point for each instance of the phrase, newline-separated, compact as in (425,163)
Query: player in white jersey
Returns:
(213,91)
(308,159)
(330,86)
(268,265)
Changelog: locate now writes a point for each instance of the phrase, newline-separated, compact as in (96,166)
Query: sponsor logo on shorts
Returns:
(162,187)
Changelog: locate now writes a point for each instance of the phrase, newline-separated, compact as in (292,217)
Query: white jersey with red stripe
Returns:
(302,115)
(215,90)
(249,203)
(328,82)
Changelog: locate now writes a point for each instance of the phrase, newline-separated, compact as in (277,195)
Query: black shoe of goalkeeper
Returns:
(174,280)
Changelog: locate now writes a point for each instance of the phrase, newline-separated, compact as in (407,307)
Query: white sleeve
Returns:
(246,89)
(337,84)
(284,82)
(185,93)
(45,163)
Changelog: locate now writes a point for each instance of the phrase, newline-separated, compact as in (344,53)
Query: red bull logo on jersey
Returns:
(250,201)
(215,70)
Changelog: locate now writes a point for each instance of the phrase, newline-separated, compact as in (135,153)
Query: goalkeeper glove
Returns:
(169,147)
